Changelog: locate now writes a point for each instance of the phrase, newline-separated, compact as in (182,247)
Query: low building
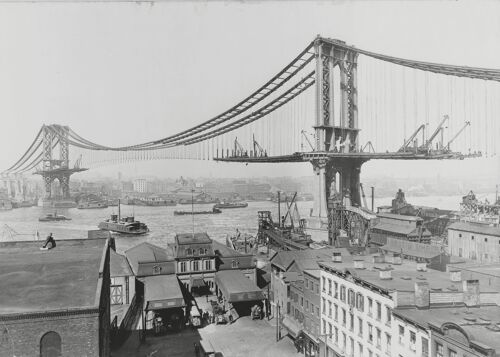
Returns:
(147,259)
(55,302)
(389,225)
(122,279)
(360,293)
(478,242)
(434,256)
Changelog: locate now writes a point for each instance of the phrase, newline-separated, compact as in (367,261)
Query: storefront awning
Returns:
(236,287)
(294,328)
(162,292)
(197,283)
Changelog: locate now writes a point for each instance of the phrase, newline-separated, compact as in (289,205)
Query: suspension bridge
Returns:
(334,105)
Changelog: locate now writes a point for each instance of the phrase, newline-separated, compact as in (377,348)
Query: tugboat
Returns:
(127,225)
(225,205)
(54,218)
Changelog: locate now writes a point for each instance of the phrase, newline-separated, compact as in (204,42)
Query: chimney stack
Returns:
(455,275)
(422,295)
(471,292)
(385,274)
(421,266)
(359,263)
(337,257)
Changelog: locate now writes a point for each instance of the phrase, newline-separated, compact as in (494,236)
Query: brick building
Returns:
(55,302)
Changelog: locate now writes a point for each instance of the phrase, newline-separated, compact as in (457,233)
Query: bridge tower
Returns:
(52,169)
(337,178)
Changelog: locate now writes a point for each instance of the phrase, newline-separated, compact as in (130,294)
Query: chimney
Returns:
(337,257)
(359,263)
(456,275)
(422,295)
(471,292)
(385,274)
(421,266)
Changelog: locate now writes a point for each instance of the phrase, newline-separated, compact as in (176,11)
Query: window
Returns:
(360,349)
(324,306)
(370,333)
(425,347)
(336,335)
(50,345)
(189,251)
(324,326)
(351,344)
(323,286)
(208,265)
(351,298)
(379,338)
(307,305)
(342,293)
(370,306)
(360,327)
(388,313)
(486,240)
(329,309)
(344,338)
(344,317)
(183,267)
(330,287)
(306,283)
(317,311)
(351,322)
(116,295)
(156,270)
(379,311)
(452,353)
(472,237)
(196,265)
(336,295)
(329,330)
(401,334)
(301,301)
(316,288)
(360,302)
(202,251)
(439,350)
(336,311)
(234,264)
(413,341)
(388,343)
(312,308)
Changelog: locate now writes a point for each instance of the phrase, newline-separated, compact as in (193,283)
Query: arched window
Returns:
(342,293)
(50,345)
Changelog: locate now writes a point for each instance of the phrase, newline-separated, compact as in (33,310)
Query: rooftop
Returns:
(400,217)
(118,265)
(189,238)
(403,275)
(224,251)
(284,259)
(147,253)
(399,229)
(413,249)
(65,277)
(480,324)
(475,228)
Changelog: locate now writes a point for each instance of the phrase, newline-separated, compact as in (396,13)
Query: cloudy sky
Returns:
(120,73)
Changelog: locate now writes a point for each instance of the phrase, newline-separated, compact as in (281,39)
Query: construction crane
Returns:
(439,129)
(256,147)
(412,137)
(304,134)
(467,123)
(238,148)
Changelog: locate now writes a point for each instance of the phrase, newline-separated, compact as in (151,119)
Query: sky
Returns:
(120,73)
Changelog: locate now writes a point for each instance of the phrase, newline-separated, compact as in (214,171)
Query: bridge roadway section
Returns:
(361,156)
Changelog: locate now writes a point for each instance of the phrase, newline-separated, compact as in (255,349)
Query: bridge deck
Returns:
(364,156)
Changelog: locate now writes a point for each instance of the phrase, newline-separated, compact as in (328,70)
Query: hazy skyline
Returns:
(123,73)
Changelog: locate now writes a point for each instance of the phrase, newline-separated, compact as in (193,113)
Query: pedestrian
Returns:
(196,349)
(49,243)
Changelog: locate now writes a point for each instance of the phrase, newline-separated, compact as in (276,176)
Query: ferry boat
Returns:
(127,225)
(225,205)
(54,218)
(213,211)
(92,204)
(154,201)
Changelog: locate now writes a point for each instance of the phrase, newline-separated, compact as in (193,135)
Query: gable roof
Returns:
(147,253)
(475,228)
(305,259)
(118,265)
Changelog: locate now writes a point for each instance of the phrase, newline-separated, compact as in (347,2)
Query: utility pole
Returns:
(373,199)
(279,209)
(278,322)
(192,208)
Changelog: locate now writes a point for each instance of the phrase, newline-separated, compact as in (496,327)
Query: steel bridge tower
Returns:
(52,169)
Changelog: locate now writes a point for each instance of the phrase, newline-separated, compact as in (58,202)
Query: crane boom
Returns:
(467,123)
(410,140)
(256,146)
(363,195)
(436,132)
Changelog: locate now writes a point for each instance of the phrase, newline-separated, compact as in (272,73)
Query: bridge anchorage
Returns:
(51,168)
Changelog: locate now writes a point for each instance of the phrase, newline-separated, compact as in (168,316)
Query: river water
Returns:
(162,222)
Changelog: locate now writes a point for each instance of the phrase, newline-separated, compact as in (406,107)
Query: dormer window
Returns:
(156,270)
(202,251)
(234,264)
(189,251)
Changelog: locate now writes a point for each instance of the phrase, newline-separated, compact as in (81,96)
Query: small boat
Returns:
(127,225)
(213,211)
(54,218)
(92,204)
(225,205)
